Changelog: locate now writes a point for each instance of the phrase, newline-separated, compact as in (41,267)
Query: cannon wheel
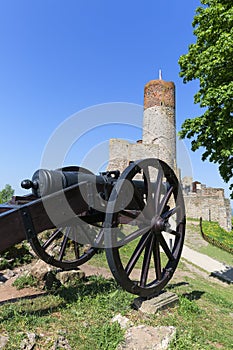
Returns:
(57,248)
(144,238)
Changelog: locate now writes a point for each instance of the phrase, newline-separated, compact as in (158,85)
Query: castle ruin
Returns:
(159,141)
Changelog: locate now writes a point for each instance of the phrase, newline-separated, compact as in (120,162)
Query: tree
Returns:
(210,60)
(6,194)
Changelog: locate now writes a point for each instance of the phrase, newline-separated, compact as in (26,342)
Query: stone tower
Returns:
(159,123)
(159,141)
(159,129)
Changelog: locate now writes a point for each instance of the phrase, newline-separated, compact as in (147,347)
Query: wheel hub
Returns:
(157,224)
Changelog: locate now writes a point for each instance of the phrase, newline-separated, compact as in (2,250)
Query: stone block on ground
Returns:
(163,301)
(69,277)
(48,276)
(40,269)
(144,337)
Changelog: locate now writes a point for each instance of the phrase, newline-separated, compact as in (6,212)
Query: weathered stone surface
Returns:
(61,343)
(151,306)
(40,269)
(48,276)
(9,274)
(123,321)
(71,276)
(147,338)
(45,274)
(3,341)
(29,343)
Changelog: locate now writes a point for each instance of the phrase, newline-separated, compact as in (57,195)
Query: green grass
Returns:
(203,318)
(24,281)
(217,253)
(213,230)
(82,313)
(15,256)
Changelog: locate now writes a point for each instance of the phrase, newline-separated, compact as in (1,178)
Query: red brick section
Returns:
(159,93)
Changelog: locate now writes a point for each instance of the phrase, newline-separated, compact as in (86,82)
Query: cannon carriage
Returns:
(137,218)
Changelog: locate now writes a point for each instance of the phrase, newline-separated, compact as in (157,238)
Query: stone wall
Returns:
(210,205)
(122,152)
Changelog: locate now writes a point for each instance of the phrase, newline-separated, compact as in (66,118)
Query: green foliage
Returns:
(6,194)
(15,256)
(210,60)
(217,233)
(25,281)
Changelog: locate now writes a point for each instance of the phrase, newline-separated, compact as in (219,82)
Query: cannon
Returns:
(137,218)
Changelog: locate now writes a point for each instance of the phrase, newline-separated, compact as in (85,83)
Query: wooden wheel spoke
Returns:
(165,247)
(165,200)
(157,260)
(132,236)
(137,253)
(76,250)
(175,233)
(51,239)
(171,212)
(63,245)
(146,261)
(150,206)
(158,186)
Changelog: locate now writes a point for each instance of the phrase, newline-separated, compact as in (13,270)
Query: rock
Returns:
(3,341)
(144,337)
(49,276)
(9,274)
(61,343)
(45,274)
(29,343)
(69,277)
(51,281)
(123,321)
(40,269)
(160,302)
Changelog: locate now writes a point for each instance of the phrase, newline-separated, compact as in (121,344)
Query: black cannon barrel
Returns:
(45,182)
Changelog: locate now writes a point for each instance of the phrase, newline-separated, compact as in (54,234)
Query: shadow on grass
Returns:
(89,287)
(194,295)
(175,285)
(25,297)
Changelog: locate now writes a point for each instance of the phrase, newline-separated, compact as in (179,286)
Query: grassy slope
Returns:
(82,314)
(196,242)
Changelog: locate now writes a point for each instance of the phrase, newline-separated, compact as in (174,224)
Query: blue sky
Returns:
(59,57)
